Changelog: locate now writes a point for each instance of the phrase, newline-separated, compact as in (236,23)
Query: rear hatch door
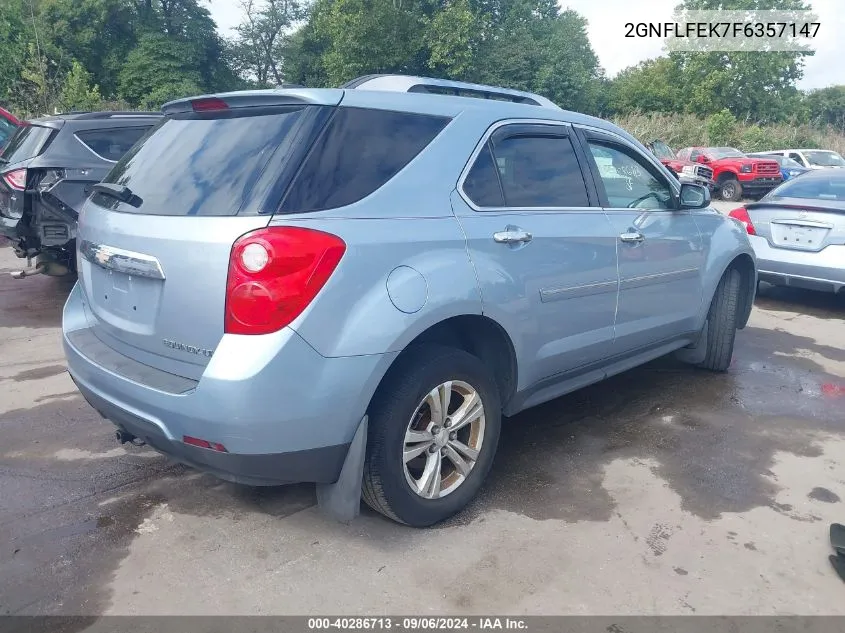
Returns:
(153,257)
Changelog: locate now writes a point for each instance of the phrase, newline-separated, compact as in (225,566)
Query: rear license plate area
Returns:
(798,236)
(130,299)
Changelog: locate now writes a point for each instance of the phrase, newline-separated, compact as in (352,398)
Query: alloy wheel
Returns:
(443,439)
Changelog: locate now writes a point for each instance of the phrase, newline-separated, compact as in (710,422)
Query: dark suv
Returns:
(47,170)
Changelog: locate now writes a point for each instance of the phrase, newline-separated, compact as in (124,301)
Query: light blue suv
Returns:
(352,286)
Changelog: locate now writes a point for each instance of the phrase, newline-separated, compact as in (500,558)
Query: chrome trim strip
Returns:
(815,224)
(120,260)
(559,294)
(85,145)
(658,278)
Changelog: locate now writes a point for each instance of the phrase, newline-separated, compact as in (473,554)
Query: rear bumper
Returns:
(760,184)
(823,271)
(284,413)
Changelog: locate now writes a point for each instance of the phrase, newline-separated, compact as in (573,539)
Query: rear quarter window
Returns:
(357,153)
(112,143)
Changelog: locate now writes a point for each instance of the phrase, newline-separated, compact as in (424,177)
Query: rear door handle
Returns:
(632,237)
(512,235)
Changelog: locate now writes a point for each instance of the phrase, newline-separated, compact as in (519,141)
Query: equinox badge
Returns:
(188,348)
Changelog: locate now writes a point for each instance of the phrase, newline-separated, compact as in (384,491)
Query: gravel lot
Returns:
(665,490)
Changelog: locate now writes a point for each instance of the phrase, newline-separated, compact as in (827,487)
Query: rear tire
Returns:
(731,190)
(721,320)
(401,407)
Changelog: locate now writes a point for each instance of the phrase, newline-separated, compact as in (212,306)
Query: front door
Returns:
(661,253)
(543,249)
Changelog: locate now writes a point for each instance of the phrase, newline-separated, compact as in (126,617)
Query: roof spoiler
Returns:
(407,83)
(254,99)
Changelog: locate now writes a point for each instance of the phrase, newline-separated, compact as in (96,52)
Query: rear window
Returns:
(811,188)
(28,142)
(112,143)
(203,164)
(359,151)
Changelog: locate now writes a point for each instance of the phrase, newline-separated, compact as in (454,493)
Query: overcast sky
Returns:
(607,20)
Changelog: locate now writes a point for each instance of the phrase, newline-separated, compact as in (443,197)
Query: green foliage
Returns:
(77,92)
(450,36)
(721,128)
(654,85)
(369,36)
(827,106)
(156,69)
(685,130)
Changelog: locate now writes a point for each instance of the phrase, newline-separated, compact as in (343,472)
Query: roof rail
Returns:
(407,83)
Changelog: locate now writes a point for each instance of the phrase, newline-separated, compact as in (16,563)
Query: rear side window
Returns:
(482,184)
(28,142)
(359,151)
(113,143)
(540,171)
(204,165)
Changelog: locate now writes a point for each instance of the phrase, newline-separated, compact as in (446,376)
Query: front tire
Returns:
(433,431)
(721,322)
(731,190)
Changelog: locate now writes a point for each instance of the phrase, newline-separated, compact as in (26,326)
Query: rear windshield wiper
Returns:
(118,192)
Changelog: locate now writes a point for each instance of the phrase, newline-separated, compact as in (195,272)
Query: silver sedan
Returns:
(798,232)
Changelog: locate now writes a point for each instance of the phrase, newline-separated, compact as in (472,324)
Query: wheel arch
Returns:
(475,334)
(727,174)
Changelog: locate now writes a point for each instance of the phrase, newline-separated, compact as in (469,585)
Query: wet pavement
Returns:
(665,490)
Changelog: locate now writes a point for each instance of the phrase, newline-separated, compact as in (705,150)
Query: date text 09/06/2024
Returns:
(703,30)
(423,623)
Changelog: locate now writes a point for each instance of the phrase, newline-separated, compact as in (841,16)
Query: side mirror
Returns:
(694,196)
(701,158)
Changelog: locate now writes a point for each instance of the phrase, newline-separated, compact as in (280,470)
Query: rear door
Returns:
(154,267)
(544,252)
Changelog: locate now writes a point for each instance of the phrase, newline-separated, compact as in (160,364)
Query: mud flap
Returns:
(697,352)
(342,499)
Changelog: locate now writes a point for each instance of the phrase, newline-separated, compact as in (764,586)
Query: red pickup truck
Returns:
(735,173)
(685,170)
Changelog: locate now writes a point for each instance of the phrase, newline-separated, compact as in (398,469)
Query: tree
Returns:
(260,48)
(370,36)
(99,34)
(304,58)
(654,85)
(159,67)
(14,41)
(827,105)
(77,92)
(529,45)
(752,85)
(451,38)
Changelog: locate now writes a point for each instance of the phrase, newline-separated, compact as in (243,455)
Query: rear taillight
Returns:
(741,214)
(274,273)
(16,179)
